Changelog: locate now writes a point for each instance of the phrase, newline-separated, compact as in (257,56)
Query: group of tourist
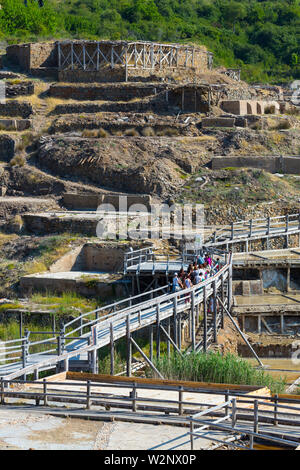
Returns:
(203,268)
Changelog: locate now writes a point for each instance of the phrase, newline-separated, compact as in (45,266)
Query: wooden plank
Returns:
(189,384)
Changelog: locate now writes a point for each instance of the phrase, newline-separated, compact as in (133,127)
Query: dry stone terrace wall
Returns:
(7,148)
(13,108)
(97,91)
(19,89)
(156,105)
(93,201)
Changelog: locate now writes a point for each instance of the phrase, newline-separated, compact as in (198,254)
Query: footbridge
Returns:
(248,232)
(77,342)
(195,314)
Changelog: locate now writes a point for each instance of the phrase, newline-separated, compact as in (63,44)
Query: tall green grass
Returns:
(215,368)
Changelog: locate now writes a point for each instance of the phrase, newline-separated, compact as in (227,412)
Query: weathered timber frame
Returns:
(93,55)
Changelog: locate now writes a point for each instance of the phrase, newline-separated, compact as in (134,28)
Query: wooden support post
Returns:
(45,392)
(112,350)
(59,55)
(229,293)
(168,341)
(288,278)
(180,400)
(233,412)
(250,229)
(129,347)
(179,332)
(157,331)
(282,323)
(193,314)
(275,422)
(88,394)
(151,343)
(94,361)
(2,393)
(175,323)
(215,313)
(204,320)
(227,396)
(126,64)
(134,397)
(21,324)
(192,434)
(72,56)
(83,53)
(255,417)
(259,324)
(223,300)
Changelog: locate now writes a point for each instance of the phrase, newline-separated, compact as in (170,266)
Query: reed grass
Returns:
(215,368)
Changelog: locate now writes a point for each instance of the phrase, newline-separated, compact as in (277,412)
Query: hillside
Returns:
(261,36)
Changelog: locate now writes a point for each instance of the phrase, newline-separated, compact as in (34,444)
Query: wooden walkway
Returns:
(82,337)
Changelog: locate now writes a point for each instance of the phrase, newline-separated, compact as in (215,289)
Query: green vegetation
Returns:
(49,250)
(66,304)
(215,368)
(262,36)
(239,186)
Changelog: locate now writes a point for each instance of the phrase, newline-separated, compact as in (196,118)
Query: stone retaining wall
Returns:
(101,92)
(93,201)
(271,164)
(19,89)
(15,124)
(7,147)
(13,108)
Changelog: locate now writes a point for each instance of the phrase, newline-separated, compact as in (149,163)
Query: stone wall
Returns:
(15,124)
(86,286)
(7,148)
(32,55)
(93,201)
(242,107)
(19,55)
(144,106)
(271,164)
(13,108)
(124,92)
(254,287)
(19,89)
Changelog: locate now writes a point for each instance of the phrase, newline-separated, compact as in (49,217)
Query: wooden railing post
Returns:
(45,392)
(180,400)
(255,417)
(193,317)
(134,397)
(2,392)
(129,347)
(175,323)
(192,433)
(233,412)
(88,395)
(268,225)
(227,399)
(276,409)
(250,228)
